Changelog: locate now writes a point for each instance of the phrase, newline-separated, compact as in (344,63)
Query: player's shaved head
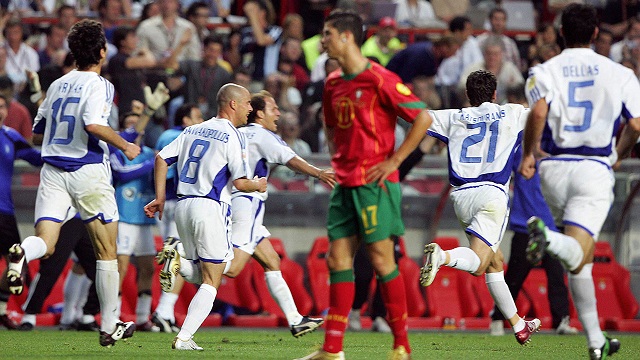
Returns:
(229,92)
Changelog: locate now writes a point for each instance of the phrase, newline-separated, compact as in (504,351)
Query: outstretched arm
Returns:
(160,177)
(107,134)
(300,165)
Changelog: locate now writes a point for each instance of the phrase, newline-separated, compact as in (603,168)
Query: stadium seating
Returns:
(319,274)
(293,274)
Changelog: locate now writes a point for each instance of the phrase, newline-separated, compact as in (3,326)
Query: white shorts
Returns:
(578,191)
(483,209)
(204,226)
(247,215)
(88,189)
(167,225)
(135,240)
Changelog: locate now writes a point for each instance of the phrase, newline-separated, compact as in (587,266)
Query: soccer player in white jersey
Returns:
(577,99)
(72,127)
(210,158)
(249,236)
(481,140)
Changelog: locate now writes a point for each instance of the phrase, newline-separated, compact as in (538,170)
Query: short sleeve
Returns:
(538,86)
(237,156)
(170,152)
(278,152)
(397,95)
(98,103)
(440,124)
(631,96)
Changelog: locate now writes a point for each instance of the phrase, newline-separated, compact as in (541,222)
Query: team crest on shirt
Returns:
(531,82)
(344,112)
(403,89)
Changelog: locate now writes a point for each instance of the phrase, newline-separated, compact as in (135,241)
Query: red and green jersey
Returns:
(363,109)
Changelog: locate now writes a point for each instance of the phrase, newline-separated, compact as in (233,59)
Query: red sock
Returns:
(341,296)
(395,300)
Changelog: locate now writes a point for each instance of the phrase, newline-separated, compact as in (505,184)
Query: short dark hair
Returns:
(62,8)
(346,20)
(192,10)
(578,24)
(121,33)
(217,39)
(86,40)
(458,23)
(184,110)
(496,10)
(258,102)
(481,85)
(124,116)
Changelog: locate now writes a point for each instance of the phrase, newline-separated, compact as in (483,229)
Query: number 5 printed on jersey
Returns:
(587,105)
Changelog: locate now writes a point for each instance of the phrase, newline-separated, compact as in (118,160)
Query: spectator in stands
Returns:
(198,14)
(425,89)
(546,35)
(18,116)
(495,62)
(126,67)
(67,16)
(418,13)
(451,68)
(163,34)
(242,77)
(291,56)
(547,51)
(289,131)
(282,87)
(384,44)
(498,21)
(312,48)
(204,78)
(603,43)
(633,32)
(260,40)
(447,10)
(20,56)
(56,36)
(124,6)
(149,10)
(110,13)
(293,26)
(361,7)
(232,53)
(422,58)
(310,108)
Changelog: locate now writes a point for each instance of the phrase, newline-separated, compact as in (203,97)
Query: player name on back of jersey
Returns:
(208,133)
(580,71)
(474,118)
(65,87)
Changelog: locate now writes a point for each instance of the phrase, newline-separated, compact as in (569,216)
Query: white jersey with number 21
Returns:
(481,141)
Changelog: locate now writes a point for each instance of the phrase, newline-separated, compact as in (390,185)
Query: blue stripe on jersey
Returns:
(171,160)
(548,145)
(40,126)
(95,155)
(219,182)
(444,139)
(500,177)
(262,168)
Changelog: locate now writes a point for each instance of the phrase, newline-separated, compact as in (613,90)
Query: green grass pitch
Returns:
(226,343)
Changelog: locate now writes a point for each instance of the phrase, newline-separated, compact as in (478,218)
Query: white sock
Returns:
(72,291)
(119,308)
(282,295)
(227,266)
(34,248)
(29,318)
(584,297)
(180,249)
(190,271)
(143,308)
(199,309)
(566,248)
(501,295)
(107,281)
(519,325)
(3,307)
(166,306)
(463,258)
(84,293)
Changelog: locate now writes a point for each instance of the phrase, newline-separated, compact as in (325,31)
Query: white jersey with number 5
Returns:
(75,100)
(586,94)
(209,157)
(481,141)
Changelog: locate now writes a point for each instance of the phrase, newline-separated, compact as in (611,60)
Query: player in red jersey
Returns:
(362,101)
